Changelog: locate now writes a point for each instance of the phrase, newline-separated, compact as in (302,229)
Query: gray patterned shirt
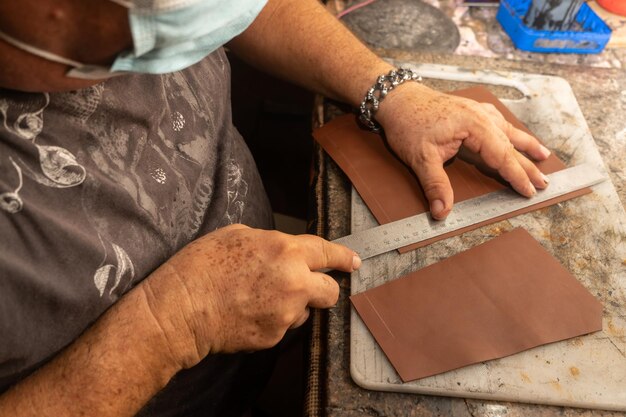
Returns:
(100,186)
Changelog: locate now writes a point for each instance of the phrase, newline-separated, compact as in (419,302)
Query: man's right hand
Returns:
(240,289)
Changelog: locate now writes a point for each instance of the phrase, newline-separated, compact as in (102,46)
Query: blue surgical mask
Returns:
(168,35)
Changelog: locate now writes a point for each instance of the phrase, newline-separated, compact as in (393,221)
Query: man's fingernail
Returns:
(356,262)
(545,178)
(544,151)
(532,189)
(436,207)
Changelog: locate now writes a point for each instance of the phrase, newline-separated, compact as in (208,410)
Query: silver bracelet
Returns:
(376,94)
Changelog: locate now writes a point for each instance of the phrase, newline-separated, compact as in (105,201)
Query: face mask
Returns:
(168,35)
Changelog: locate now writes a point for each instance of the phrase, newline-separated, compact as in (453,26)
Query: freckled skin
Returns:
(240,289)
(427,131)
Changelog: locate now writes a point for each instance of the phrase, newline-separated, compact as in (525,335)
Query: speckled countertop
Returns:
(601,95)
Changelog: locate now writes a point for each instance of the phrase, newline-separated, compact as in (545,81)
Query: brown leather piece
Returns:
(496,299)
(390,189)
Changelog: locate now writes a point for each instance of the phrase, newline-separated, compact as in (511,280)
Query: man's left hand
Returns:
(426,128)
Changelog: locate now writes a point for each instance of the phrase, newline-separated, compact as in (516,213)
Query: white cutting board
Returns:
(587,235)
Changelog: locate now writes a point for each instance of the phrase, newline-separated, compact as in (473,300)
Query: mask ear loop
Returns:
(124,3)
(39,52)
(78,69)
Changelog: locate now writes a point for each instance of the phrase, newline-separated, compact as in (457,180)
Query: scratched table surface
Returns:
(601,96)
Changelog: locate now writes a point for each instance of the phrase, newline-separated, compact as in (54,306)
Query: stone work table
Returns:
(601,95)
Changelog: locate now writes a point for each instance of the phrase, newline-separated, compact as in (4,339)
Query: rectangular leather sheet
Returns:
(390,189)
(496,299)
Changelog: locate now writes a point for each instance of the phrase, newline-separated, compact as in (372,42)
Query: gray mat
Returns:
(404,24)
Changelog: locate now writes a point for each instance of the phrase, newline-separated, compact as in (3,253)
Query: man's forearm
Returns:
(113,369)
(232,290)
(300,41)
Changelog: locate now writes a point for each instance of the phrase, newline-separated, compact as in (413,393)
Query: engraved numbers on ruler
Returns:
(394,235)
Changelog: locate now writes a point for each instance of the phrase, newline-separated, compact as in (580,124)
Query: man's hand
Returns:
(426,128)
(241,289)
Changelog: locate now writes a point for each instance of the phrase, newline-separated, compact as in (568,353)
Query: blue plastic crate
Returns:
(592,37)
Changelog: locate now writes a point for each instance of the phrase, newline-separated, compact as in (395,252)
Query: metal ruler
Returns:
(394,235)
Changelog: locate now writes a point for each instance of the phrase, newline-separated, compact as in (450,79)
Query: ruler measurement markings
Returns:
(394,235)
